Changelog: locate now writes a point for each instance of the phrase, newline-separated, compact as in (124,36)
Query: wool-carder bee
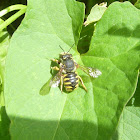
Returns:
(67,74)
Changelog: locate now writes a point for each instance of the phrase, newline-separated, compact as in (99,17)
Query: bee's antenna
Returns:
(70,47)
(62,48)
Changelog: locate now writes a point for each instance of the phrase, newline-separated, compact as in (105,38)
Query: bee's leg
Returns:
(55,68)
(82,83)
(61,86)
(55,60)
(77,66)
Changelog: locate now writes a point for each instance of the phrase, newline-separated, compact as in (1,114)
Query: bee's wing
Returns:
(52,82)
(55,81)
(93,72)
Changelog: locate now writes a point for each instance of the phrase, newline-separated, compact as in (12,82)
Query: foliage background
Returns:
(128,128)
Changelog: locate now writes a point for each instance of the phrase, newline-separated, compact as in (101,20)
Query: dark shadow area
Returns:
(135,100)
(137,48)
(6,3)
(45,89)
(14,25)
(31,129)
(4,125)
(115,136)
(90,3)
(85,38)
(126,32)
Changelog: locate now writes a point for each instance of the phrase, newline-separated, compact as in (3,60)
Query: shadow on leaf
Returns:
(124,31)
(4,125)
(135,100)
(31,129)
(45,88)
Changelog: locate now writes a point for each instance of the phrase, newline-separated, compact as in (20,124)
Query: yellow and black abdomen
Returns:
(71,81)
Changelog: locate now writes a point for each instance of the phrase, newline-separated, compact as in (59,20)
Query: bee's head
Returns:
(65,56)
(67,61)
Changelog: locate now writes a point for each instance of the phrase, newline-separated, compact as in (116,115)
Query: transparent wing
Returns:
(93,72)
(55,81)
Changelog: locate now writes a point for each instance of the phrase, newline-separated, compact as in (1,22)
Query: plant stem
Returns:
(12,27)
(12,18)
(11,8)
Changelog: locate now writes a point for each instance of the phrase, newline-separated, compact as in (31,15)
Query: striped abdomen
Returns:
(71,81)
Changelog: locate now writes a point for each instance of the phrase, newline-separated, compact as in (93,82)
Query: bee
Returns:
(67,76)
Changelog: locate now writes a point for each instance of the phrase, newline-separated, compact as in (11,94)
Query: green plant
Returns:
(114,49)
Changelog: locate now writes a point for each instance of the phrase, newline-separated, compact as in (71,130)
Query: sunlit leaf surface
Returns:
(114,50)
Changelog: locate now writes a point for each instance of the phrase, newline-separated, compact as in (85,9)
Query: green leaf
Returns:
(137,4)
(4,42)
(4,121)
(129,128)
(78,115)
(96,13)
(115,50)
(47,25)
